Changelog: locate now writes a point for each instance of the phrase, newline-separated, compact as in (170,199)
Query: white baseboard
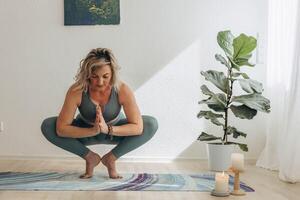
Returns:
(123,159)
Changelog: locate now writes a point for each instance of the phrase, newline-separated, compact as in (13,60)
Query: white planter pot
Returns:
(219,156)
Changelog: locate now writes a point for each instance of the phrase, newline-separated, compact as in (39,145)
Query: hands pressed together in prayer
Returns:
(100,124)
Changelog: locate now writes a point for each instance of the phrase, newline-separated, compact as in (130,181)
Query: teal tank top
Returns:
(111,112)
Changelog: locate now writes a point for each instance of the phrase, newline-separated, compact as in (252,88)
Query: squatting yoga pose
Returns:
(99,96)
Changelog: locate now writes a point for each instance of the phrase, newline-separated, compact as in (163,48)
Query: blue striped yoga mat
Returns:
(202,182)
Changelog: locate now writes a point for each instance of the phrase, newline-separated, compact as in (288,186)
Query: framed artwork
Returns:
(91,12)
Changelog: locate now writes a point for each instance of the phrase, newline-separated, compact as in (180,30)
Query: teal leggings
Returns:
(124,144)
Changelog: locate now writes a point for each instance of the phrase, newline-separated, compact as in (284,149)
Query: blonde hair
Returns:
(95,59)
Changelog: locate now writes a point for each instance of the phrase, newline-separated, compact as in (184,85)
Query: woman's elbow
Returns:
(139,130)
(59,131)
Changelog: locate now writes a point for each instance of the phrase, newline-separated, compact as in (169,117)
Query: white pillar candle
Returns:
(221,182)
(237,161)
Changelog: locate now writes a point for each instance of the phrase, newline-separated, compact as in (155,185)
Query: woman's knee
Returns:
(48,127)
(150,125)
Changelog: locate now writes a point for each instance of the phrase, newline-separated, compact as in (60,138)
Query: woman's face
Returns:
(101,78)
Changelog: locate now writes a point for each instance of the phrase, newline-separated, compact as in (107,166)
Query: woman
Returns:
(99,96)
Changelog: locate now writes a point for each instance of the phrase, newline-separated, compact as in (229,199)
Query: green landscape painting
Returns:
(92,12)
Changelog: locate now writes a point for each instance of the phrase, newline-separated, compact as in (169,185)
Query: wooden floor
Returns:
(266,183)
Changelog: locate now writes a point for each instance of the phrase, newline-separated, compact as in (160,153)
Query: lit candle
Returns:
(221,183)
(237,161)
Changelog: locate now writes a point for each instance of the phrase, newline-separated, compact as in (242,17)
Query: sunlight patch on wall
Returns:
(172,96)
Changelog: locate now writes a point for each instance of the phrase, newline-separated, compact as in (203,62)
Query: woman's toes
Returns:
(116,177)
(85,176)
(91,162)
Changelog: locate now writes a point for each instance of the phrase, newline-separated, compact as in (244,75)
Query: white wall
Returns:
(161,47)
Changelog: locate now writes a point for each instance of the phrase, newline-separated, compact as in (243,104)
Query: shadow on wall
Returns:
(196,150)
(172,96)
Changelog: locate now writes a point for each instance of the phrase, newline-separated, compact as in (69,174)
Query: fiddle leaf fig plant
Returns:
(238,51)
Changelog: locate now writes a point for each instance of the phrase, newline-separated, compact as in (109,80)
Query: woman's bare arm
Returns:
(66,116)
(132,112)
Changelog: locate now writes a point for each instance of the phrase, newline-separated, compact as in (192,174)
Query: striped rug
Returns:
(49,181)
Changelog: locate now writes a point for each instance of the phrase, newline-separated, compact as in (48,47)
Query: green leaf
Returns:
(225,41)
(216,122)
(217,78)
(233,64)
(254,101)
(206,137)
(222,60)
(243,147)
(237,74)
(211,116)
(243,62)
(202,101)
(206,91)
(235,133)
(217,102)
(243,111)
(243,46)
(251,86)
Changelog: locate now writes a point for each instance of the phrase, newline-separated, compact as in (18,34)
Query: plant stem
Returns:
(229,94)
(225,127)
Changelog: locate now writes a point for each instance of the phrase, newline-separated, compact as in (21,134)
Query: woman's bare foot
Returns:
(92,160)
(109,160)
